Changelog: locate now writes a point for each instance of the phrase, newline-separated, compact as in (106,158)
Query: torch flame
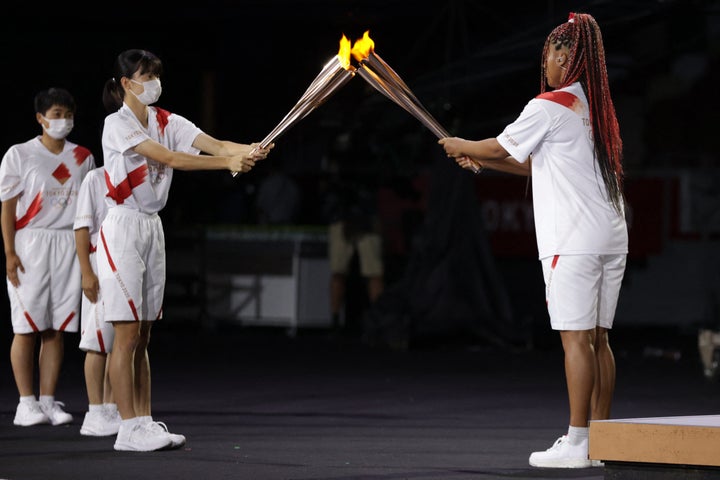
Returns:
(344,52)
(363,47)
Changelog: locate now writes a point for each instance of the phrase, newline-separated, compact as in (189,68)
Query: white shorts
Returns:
(96,335)
(581,291)
(48,296)
(131,265)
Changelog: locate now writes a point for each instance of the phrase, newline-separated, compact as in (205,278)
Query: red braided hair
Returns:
(586,64)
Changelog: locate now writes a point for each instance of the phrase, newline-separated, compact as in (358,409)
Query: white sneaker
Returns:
(597,463)
(140,438)
(562,455)
(99,424)
(55,413)
(177,439)
(29,413)
(112,415)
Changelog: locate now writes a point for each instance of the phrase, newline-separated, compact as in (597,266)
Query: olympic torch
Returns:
(336,73)
(383,78)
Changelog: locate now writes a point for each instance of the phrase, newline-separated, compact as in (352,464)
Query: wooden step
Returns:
(690,440)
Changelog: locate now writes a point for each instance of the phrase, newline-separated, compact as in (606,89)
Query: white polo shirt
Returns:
(135,181)
(49,183)
(91,206)
(573,214)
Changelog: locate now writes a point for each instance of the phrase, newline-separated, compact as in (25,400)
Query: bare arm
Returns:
(90,283)
(235,162)
(7,222)
(213,146)
(488,153)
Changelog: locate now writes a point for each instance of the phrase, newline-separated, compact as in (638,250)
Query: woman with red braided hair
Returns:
(567,139)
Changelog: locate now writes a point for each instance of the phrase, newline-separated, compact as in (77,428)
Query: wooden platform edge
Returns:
(678,441)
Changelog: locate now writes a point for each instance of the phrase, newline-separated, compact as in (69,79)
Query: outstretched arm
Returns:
(213,146)
(488,153)
(235,159)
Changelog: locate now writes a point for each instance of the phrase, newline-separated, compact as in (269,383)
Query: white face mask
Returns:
(151,92)
(59,127)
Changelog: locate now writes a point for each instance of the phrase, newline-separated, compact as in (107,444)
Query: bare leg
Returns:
(107,387)
(22,358)
(95,376)
(579,373)
(142,372)
(604,386)
(52,349)
(122,370)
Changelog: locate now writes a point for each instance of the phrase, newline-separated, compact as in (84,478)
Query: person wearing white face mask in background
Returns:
(142,145)
(39,184)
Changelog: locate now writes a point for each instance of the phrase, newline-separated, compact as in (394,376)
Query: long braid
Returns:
(586,64)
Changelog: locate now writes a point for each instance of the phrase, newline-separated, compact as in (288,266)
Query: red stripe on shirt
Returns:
(31,213)
(563,98)
(162,119)
(124,189)
(81,153)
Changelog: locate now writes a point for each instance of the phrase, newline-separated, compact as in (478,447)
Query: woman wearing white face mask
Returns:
(142,145)
(39,184)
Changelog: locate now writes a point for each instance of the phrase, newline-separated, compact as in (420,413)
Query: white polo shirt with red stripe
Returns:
(133,180)
(49,183)
(46,186)
(573,214)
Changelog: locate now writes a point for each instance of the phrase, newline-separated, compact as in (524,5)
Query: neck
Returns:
(140,110)
(53,145)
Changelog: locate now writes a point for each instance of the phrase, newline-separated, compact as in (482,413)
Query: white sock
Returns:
(577,434)
(129,423)
(47,399)
(110,408)
(28,399)
(145,419)
(95,408)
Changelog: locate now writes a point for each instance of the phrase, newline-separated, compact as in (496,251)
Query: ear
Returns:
(38,117)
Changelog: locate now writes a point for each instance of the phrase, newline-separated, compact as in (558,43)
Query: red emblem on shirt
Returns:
(61,174)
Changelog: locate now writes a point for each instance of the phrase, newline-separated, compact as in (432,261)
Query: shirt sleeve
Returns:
(11,184)
(84,210)
(521,137)
(184,132)
(122,134)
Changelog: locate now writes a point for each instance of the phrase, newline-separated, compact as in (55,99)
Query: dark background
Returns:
(236,68)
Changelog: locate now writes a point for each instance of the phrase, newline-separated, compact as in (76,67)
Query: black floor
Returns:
(257,404)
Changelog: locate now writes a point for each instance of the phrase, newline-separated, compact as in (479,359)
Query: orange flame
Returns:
(344,52)
(363,47)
